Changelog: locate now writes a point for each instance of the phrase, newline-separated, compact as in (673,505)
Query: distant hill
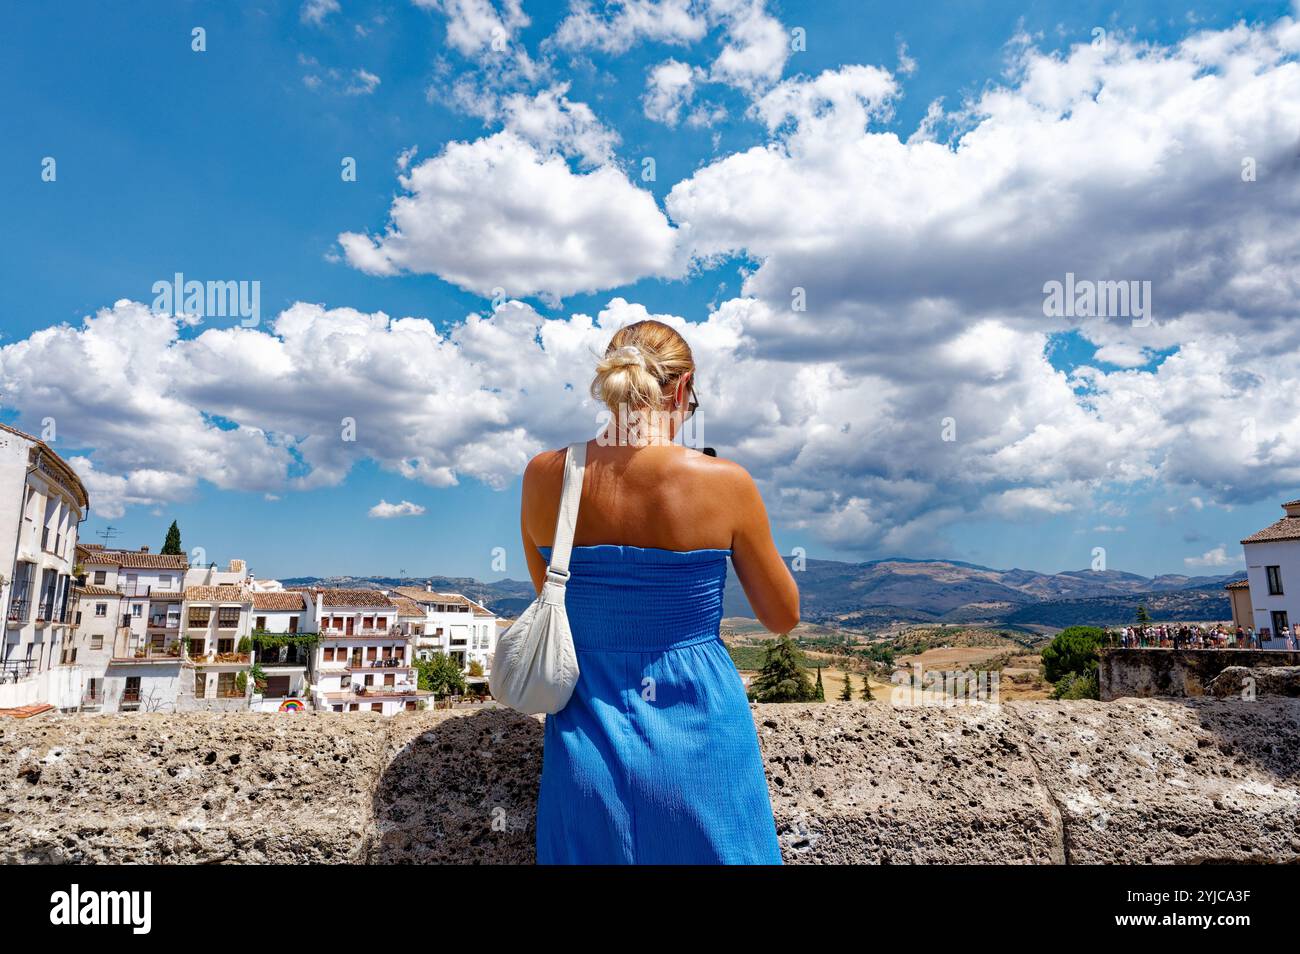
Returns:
(882,592)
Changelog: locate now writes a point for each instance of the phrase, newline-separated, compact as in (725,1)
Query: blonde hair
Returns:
(642,359)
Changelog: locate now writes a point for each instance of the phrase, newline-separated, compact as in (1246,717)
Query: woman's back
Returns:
(664,497)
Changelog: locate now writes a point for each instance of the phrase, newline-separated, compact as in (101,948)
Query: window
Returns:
(198,647)
(293,624)
(101,577)
(376,707)
(368,623)
(200,685)
(199,616)
(1281,628)
(372,654)
(131,694)
(339,707)
(410,706)
(261,622)
(101,610)
(1274,574)
(225,645)
(97,641)
(226,688)
(228,617)
(92,691)
(137,609)
(329,653)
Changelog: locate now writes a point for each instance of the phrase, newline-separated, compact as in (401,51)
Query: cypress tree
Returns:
(783,678)
(821,690)
(846,692)
(866,688)
(172,545)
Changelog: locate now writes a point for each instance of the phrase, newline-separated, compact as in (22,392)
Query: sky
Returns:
(854,212)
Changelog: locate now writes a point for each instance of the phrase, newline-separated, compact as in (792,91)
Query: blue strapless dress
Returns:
(655,759)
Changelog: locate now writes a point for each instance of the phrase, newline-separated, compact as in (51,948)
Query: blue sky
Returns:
(224,164)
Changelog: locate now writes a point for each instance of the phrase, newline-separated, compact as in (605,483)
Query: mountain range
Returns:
(880,593)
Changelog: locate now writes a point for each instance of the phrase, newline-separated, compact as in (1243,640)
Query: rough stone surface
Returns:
(1148,781)
(1025,782)
(1176,673)
(1265,681)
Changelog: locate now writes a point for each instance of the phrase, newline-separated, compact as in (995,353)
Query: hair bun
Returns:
(625,356)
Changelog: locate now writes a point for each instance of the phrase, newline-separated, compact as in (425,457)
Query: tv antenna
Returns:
(107,534)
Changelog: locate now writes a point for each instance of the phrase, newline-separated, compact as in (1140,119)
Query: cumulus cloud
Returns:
(363,83)
(386,511)
(315,11)
(476,25)
(501,213)
(1218,557)
(887,367)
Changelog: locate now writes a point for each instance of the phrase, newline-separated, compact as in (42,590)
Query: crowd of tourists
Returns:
(1193,636)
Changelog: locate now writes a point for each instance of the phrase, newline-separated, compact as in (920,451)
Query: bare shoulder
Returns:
(545,464)
(721,474)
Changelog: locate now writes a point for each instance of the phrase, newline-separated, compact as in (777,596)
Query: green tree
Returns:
(1142,616)
(846,691)
(783,678)
(1074,650)
(866,688)
(440,675)
(1077,685)
(172,545)
(819,689)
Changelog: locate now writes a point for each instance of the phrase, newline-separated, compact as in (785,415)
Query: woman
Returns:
(655,758)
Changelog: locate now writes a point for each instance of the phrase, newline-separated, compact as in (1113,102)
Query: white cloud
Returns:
(1218,557)
(315,11)
(501,213)
(386,511)
(754,46)
(363,83)
(670,86)
(476,25)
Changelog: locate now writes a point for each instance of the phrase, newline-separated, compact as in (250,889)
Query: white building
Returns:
(362,660)
(284,637)
(127,629)
(455,626)
(42,504)
(1273,571)
(217,629)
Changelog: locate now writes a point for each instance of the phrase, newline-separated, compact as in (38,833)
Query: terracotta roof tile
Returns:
(289,600)
(217,594)
(135,560)
(1238,585)
(330,597)
(1288,528)
(91,590)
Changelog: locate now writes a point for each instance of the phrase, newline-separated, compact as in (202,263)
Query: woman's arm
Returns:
(767,582)
(538,475)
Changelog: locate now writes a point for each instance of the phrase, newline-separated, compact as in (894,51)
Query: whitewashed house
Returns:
(363,659)
(284,637)
(127,628)
(217,627)
(42,504)
(1273,571)
(455,626)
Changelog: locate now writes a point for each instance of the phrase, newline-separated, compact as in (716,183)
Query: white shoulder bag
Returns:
(536,667)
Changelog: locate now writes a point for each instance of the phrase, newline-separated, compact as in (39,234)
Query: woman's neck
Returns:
(644,428)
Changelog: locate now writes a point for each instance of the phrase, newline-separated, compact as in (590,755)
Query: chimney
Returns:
(238,566)
(428,586)
(144,549)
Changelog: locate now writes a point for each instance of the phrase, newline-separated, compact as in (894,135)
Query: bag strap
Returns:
(575,463)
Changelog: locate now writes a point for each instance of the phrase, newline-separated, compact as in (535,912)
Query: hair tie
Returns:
(627,355)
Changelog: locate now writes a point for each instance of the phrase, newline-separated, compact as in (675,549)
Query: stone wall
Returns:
(1144,673)
(1136,781)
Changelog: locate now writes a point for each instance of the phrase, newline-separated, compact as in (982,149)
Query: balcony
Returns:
(130,699)
(406,689)
(19,610)
(146,654)
(13,670)
(221,659)
(92,700)
(133,589)
(170,623)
